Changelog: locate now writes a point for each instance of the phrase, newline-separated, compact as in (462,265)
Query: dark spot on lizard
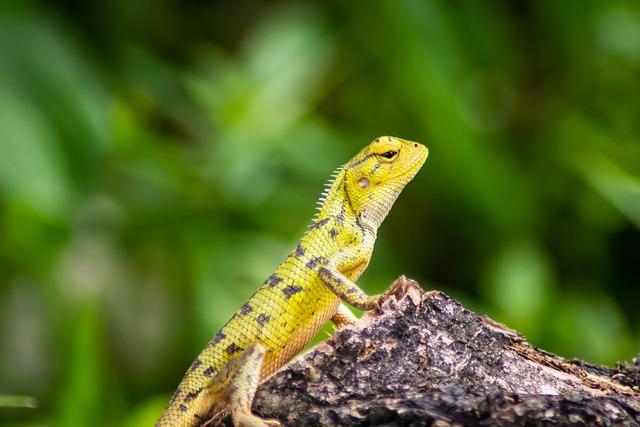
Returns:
(362,225)
(333,233)
(326,275)
(174,396)
(299,251)
(289,291)
(246,309)
(362,160)
(182,408)
(353,289)
(262,319)
(375,168)
(340,216)
(196,363)
(274,280)
(192,395)
(320,223)
(313,262)
(219,337)
(209,372)
(233,348)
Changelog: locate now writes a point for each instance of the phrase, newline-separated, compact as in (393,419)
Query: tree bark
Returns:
(424,359)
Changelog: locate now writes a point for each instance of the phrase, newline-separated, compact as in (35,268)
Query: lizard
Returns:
(309,288)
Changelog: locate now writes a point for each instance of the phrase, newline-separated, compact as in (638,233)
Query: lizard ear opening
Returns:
(363,182)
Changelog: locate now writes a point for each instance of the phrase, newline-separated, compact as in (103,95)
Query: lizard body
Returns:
(303,293)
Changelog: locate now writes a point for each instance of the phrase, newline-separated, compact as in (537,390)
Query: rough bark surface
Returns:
(424,359)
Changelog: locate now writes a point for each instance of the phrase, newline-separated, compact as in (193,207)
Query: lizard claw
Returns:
(374,303)
(377,304)
(400,287)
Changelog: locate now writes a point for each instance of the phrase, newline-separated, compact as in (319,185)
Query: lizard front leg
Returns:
(331,275)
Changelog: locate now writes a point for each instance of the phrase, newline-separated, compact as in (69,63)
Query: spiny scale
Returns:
(326,191)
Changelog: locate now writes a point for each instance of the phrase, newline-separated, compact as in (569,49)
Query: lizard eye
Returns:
(389,154)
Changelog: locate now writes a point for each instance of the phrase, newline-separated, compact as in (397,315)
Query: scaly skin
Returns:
(303,293)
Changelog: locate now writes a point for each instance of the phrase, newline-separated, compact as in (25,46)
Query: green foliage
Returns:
(17,402)
(158,159)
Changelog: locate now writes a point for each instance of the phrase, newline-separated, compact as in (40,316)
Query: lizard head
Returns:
(376,175)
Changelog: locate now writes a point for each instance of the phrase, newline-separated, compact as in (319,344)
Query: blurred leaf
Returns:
(519,284)
(585,148)
(615,184)
(29,146)
(618,31)
(590,327)
(280,68)
(79,398)
(57,104)
(8,401)
(147,413)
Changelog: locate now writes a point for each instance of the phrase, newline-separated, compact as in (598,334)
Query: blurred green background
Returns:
(159,158)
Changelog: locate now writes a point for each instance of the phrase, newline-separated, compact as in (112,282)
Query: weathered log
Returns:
(424,359)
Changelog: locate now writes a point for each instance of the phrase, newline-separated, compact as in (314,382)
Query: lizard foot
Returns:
(398,289)
(344,324)
(250,420)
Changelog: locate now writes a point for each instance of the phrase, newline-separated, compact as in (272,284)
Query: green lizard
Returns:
(305,291)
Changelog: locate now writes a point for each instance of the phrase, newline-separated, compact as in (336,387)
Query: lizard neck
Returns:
(335,204)
(335,199)
(376,212)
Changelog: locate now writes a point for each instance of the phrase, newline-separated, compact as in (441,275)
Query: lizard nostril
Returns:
(415,145)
